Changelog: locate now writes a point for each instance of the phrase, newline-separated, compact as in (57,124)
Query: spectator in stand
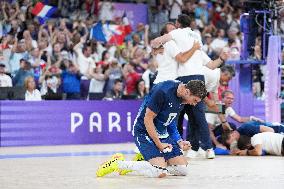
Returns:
(175,9)
(105,60)
(234,50)
(5,80)
(207,48)
(37,63)
(18,52)
(149,75)
(222,23)
(86,64)
(219,43)
(5,51)
(140,32)
(71,82)
(131,78)
(201,14)
(69,6)
(209,29)
(124,56)
(189,8)
(141,90)
(235,23)
(139,60)
(112,73)
(32,94)
(233,35)
(106,10)
(24,72)
(194,27)
(98,80)
(117,90)
(29,41)
(50,86)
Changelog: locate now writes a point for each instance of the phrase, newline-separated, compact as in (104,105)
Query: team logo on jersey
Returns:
(171,105)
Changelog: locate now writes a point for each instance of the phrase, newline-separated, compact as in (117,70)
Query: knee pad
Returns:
(178,170)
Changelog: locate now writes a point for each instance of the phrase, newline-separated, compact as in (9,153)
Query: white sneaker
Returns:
(191,154)
(210,154)
(201,153)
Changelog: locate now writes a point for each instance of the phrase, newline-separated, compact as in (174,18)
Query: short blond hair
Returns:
(27,80)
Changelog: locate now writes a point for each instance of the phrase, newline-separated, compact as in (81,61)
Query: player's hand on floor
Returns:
(184,145)
(242,153)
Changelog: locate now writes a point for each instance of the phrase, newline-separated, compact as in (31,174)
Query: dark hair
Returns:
(85,47)
(117,81)
(197,88)
(231,41)
(228,68)
(225,92)
(244,142)
(103,55)
(224,137)
(137,85)
(184,20)
(165,28)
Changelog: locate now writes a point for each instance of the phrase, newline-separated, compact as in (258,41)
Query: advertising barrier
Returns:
(66,122)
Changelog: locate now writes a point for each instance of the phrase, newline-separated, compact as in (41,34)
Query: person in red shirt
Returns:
(131,78)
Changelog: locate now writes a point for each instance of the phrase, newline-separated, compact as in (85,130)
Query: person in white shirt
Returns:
(86,65)
(168,57)
(270,143)
(32,94)
(98,80)
(5,80)
(175,9)
(149,75)
(192,69)
(219,43)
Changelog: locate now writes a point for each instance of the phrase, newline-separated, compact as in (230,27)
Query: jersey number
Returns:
(171,117)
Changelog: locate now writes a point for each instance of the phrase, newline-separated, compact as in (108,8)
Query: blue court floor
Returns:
(61,167)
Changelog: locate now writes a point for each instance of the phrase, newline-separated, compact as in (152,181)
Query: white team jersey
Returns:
(184,39)
(212,79)
(167,66)
(214,120)
(271,142)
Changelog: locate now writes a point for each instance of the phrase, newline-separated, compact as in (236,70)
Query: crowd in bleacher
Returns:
(57,59)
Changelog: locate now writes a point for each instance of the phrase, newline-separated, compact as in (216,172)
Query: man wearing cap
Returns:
(207,46)
(201,13)
(5,80)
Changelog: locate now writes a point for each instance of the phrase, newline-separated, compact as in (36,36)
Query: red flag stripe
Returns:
(38,7)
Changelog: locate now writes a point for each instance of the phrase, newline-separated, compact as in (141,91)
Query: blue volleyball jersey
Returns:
(162,100)
(253,127)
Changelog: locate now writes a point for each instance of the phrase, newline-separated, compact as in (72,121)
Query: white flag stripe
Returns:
(44,11)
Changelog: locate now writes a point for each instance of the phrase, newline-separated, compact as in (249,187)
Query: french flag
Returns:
(111,33)
(43,12)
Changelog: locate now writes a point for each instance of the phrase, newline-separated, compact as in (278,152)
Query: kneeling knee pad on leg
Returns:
(178,170)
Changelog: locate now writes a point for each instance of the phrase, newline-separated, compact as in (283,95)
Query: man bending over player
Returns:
(155,131)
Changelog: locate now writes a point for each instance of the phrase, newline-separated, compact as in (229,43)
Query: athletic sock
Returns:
(178,170)
(142,168)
